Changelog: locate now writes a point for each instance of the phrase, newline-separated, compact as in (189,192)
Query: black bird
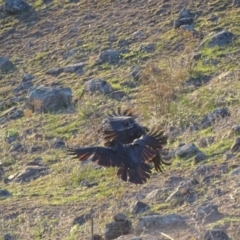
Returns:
(131,159)
(123,127)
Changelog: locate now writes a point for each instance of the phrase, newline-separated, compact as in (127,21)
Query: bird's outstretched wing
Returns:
(104,156)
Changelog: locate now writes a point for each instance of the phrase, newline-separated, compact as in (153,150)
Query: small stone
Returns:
(216,234)
(139,207)
(4,193)
(236,172)
(120,217)
(199,157)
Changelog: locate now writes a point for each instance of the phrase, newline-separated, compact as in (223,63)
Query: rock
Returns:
(80,220)
(207,212)
(199,157)
(236,172)
(118,228)
(184,13)
(109,56)
(236,130)
(236,145)
(205,142)
(120,217)
(187,27)
(6,65)
(48,99)
(59,144)
(4,193)
(209,170)
(88,184)
(16,6)
(25,84)
(35,162)
(139,207)
(8,236)
(222,38)
(163,223)
(214,117)
(183,21)
(149,48)
(31,173)
(187,151)
(118,95)
(124,43)
(236,3)
(135,72)
(197,56)
(216,234)
(173,181)
(16,147)
(54,71)
(158,194)
(213,18)
(78,67)
(97,85)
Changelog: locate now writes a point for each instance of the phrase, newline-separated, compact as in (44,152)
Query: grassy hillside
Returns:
(172,90)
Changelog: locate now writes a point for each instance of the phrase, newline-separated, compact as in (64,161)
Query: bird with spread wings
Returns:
(122,126)
(131,159)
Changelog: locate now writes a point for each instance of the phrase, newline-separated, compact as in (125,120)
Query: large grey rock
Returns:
(121,226)
(16,6)
(187,151)
(216,234)
(48,99)
(6,65)
(222,38)
(108,56)
(162,223)
(97,86)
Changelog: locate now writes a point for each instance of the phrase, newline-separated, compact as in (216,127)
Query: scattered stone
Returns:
(149,48)
(236,172)
(109,56)
(120,217)
(6,65)
(118,228)
(199,157)
(78,67)
(163,223)
(88,184)
(236,3)
(16,147)
(97,85)
(16,6)
(54,71)
(236,145)
(139,207)
(236,130)
(228,156)
(222,38)
(158,194)
(25,84)
(214,117)
(59,144)
(216,234)
(8,237)
(118,95)
(34,149)
(187,151)
(205,142)
(183,21)
(197,56)
(5,193)
(80,220)
(174,181)
(207,212)
(210,170)
(30,173)
(48,99)
(184,13)
(124,43)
